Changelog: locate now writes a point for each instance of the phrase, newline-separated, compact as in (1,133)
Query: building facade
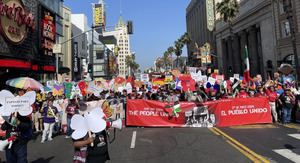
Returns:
(285,53)
(196,25)
(66,57)
(80,21)
(79,53)
(252,28)
(123,43)
(26,49)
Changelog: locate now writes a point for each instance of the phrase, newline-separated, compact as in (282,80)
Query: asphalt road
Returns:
(254,143)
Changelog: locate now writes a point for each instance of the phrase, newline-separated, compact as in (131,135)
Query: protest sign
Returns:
(236,76)
(219,113)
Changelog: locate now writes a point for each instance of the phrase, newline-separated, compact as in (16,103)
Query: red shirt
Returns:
(243,95)
(258,94)
(71,110)
(272,96)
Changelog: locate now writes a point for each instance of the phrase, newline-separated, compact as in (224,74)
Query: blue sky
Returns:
(157,23)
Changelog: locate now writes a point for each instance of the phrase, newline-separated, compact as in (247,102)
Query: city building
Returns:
(283,35)
(123,43)
(197,28)
(253,27)
(79,53)
(80,21)
(26,49)
(65,59)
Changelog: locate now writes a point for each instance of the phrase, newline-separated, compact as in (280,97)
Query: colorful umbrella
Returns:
(24,83)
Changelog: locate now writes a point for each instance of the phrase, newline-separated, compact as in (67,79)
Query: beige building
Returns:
(123,43)
(66,57)
(283,34)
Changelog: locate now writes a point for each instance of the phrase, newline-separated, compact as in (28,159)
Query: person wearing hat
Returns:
(287,101)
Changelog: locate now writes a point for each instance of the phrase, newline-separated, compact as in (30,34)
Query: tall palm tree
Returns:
(185,39)
(166,59)
(130,62)
(171,50)
(158,66)
(228,10)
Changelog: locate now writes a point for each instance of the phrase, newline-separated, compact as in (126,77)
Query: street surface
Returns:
(247,143)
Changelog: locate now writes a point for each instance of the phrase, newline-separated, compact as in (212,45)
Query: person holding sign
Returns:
(50,117)
(19,133)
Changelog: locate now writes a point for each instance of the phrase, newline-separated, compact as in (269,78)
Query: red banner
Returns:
(219,113)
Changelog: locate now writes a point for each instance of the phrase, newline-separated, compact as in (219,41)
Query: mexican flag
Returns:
(246,78)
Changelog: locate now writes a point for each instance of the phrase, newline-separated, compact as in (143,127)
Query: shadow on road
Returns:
(42,160)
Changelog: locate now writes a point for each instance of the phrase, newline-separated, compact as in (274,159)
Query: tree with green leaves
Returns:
(171,50)
(166,60)
(185,39)
(158,65)
(130,62)
(228,10)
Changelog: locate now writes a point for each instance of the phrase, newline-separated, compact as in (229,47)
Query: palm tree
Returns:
(130,62)
(158,66)
(166,59)
(171,50)
(185,39)
(228,10)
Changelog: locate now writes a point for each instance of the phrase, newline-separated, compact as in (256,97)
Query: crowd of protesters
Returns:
(51,112)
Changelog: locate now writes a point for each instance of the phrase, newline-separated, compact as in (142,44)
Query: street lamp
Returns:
(287,6)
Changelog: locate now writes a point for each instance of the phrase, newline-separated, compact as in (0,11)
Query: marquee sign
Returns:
(14,21)
(210,14)
(48,31)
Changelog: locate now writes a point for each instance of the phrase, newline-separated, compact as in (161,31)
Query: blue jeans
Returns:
(58,124)
(286,117)
(69,130)
(17,156)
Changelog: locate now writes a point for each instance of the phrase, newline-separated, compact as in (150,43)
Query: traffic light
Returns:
(90,68)
(130,27)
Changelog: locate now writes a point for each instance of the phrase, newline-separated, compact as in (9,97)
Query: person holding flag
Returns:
(246,78)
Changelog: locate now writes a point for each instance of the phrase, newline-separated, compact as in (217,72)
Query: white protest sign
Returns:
(94,89)
(138,77)
(21,104)
(236,76)
(144,77)
(193,70)
(16,104)
(75,92)
(129,88)
(220,77)
(197,76)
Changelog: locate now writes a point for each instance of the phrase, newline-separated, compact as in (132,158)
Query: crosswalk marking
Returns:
(297,136)
(291,154)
